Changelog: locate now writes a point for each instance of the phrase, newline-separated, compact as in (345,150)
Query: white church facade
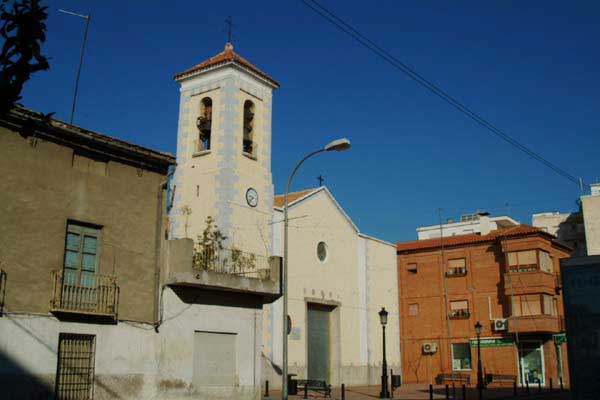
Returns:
(339,279)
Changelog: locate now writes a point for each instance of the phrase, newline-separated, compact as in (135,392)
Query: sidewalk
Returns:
(421,392)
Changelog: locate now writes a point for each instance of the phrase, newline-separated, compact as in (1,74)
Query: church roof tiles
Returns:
(227,56)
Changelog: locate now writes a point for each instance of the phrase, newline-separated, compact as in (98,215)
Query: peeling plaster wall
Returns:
(133,361)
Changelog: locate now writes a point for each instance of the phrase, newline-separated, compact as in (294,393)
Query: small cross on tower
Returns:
(321,180)
(230,27)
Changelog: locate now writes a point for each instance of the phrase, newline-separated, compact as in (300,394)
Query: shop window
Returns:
(411,268)
(248,145)
(522,261)
(413,309)
(204,125)
(457,267)
(461,356)
(459,309)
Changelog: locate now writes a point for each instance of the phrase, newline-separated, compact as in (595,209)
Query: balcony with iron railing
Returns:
(460,314)
(455,272)
(224,269)
(84,293)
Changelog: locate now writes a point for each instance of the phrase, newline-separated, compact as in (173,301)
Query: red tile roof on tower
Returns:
(227,56)
(473,238)
(279,200)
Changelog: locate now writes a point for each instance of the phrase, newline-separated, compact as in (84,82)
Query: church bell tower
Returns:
(224,153)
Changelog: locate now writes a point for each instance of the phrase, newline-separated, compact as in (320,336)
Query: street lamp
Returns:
(384,394)
(337,145)
(479,369)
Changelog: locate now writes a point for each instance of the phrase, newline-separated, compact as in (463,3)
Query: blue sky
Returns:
(531,68)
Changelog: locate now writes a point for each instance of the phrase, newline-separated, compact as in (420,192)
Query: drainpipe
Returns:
(160,207)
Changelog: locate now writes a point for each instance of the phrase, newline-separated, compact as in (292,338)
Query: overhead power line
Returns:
(398,64)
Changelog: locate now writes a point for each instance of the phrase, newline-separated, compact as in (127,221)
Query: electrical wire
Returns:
(395,62)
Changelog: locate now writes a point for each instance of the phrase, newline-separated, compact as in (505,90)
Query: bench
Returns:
(315,385)
(459,378)
(500,379)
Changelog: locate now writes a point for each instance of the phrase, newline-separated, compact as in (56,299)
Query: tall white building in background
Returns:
(478,222)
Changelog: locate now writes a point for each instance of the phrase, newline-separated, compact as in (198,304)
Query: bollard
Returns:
(515,388)
(539,386)
(550,387)
(464,392)
(306,390)
(561,383)
(527,387)
(267,388)
(430,391)
(343,392)
(453,391)
(447,392)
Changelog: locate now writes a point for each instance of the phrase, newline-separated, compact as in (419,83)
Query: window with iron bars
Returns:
(75,370)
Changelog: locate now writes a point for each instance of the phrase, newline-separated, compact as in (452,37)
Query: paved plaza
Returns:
(421,392)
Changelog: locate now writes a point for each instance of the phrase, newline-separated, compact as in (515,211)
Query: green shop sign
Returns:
(560,338)
(493,342)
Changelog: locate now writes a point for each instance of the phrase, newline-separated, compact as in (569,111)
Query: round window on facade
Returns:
(322,251)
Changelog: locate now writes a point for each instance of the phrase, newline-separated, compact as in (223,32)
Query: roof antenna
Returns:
(85,34)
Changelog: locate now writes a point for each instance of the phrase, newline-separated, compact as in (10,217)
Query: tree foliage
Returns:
(23,31)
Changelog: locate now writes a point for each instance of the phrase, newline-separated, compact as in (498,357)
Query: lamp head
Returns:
(478,328)
(338,145)
(383,316)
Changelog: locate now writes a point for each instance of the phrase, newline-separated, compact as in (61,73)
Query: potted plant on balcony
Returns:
(209,246)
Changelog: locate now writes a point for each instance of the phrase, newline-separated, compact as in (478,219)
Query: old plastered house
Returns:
(339,279)
(96,303)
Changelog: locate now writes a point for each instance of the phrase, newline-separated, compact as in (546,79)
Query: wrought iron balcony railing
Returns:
(81,292)
(456,272)
(460,314)
(234,262)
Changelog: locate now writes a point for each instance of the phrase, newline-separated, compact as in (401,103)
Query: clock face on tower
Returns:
(252,197)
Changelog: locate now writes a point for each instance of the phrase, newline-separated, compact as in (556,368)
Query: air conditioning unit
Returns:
(500,324)
(430,348)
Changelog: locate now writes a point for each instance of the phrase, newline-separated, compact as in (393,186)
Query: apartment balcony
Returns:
(536,324)
(530,282)
(84,293)
(460,314)
(228,270)
(456,272)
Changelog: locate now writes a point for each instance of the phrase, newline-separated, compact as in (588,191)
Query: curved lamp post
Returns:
(337,145)
(479,369)
(384,394)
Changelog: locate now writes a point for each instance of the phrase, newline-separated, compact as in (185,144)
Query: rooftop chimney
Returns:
(484,224)
(595,187)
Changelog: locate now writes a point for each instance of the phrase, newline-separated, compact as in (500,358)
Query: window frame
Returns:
(410,270)
(459,313)
(468,345)
(82,229)
(418,308)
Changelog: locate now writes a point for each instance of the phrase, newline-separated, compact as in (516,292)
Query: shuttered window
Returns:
(81,254)
(546,262)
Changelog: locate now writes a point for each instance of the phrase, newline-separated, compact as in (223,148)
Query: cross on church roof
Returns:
(230,25)
(321,180)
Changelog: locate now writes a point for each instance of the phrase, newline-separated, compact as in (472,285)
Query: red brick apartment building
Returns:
(508,279)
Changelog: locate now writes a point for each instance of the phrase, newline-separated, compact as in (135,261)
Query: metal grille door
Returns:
(75,372)
(319,342)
